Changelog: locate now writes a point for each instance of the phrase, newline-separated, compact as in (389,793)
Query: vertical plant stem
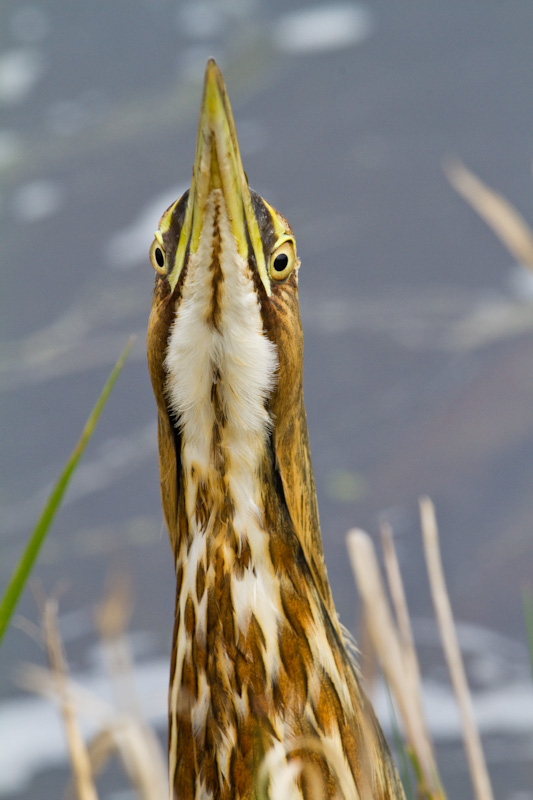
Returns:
(79,757)
(476,760)
(397,592)
(387,645)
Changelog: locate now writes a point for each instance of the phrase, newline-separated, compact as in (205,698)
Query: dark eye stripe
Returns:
(265,222)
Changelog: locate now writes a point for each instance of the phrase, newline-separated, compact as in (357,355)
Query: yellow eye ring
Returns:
(158,257)
(283,260)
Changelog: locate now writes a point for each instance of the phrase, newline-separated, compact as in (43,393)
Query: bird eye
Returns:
(283,260)
(158,258)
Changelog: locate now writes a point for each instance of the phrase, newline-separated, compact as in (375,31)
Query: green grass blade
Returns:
(22,571)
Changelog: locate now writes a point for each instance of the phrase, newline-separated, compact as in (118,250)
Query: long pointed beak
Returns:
(218,165)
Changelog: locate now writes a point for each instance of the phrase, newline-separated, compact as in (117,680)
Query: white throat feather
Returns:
(235,354)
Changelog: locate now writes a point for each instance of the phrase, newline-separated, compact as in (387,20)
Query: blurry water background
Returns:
(418,325)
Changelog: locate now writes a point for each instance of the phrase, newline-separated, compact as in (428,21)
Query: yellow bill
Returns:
(218,165)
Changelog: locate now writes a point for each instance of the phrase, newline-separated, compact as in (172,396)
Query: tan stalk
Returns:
(43,682)
(443,612)
(131,740)
(79,757)
(138,750)
(127,734)
(399,601)
(390,654)
(504,220)
(112,618)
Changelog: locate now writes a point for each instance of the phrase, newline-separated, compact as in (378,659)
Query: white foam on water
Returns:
(130,246)
(32,735)
(505,710)
(37,200)
(21,69)
(32,739)
(330,26)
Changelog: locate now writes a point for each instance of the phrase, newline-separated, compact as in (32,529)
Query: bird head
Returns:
(225,327)
(222,221)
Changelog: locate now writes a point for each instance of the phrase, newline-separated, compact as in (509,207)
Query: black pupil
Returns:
(280,262)
(159,257)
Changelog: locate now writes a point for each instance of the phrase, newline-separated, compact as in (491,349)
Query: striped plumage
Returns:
(264,699)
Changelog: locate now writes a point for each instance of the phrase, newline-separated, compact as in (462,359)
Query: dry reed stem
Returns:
(112,618)
(505,221)
(399,601)
(125,734)
(79,757)
(397,593)
(443,612)
(43,682)
(129,735)
(138,750)
(395,666)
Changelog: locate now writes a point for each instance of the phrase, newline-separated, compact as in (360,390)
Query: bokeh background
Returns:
(418,324)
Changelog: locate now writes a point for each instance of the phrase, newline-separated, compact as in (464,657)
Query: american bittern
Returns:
(264,698)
